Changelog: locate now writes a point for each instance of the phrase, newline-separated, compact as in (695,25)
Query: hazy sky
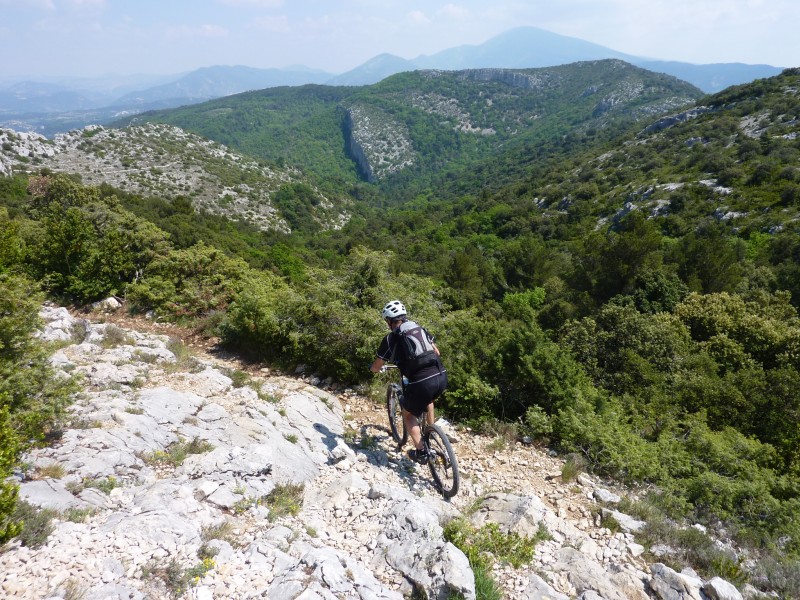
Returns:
(96,37)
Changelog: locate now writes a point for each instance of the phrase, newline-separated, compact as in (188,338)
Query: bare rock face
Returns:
(156,159)
(380,145)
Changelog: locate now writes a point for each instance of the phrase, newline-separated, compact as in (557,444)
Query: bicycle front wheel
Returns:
(396,424)
(443,463)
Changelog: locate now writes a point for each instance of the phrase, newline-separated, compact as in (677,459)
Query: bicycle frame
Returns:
(442,460)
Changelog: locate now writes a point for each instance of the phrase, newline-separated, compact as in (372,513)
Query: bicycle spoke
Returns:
(396,425)
(443,464)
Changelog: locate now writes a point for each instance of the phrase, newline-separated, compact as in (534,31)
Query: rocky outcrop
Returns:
(672,120)
(155,159)
(378,143)
(542,78)
(181,471)
(450,109)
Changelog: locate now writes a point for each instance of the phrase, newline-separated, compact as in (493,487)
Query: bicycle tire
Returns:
(442,462)
(397,425)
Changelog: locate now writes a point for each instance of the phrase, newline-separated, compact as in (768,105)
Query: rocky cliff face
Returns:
(186,475)
(515,78)
(379,144)
(166,161)
(631,94)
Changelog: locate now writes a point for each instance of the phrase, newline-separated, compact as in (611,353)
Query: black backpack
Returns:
(412,350)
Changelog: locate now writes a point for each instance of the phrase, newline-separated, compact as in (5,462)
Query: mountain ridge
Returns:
(523,47)
(531,47)
(448,118)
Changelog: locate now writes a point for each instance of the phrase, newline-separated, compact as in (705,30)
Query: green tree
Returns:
(88,246)
(710,260)
(613,261)
(33,398)
(33,394)
(9,452)
(189,283)
(470,276)
(11,245)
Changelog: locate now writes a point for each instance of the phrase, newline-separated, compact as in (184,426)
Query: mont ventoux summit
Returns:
(606,248)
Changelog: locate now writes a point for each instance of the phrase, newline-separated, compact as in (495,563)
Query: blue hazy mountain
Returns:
(215,82)
(531,47)
(49,107)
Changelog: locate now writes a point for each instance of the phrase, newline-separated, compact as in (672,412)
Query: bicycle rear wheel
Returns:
(443,463)
(396,424)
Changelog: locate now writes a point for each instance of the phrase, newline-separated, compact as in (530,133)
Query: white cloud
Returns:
(273,24)
(454,11)
(205,31)
(417,16)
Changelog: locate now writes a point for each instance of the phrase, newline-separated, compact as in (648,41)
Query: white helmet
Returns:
(394,310)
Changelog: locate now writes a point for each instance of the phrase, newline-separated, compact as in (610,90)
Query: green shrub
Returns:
(105,484)
(12,247)
(35,524)
(33,398)
(284,499)
(86,246)
(176,453)
(488,543)
(537,422)
(114,336)
(608,443)
(221,531)
(175,578)
(330,322)
(573,467)
(9,448)
(192,282)
(78,515)
(239,378)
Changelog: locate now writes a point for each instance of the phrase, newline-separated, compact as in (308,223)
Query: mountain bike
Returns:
(441,458)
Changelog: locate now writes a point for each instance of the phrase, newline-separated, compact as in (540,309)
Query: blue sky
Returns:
(40,38)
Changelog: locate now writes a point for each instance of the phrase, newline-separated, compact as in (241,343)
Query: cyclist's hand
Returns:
(384,368)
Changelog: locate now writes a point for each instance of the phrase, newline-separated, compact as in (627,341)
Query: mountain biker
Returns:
(424,376)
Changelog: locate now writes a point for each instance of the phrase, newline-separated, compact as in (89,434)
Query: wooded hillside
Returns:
(628,292)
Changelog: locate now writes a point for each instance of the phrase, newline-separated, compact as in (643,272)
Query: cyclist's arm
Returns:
(430,339)
(376,366)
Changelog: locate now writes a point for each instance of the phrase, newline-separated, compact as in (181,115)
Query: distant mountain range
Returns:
(530,47)
(52,107)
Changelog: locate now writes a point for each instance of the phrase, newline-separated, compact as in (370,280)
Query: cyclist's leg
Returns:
(437,390)
(413,428)
(416,399)
(431,418)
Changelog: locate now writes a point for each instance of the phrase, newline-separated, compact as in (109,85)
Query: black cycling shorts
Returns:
(417,395)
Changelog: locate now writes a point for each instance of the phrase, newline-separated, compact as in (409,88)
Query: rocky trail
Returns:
(196,475)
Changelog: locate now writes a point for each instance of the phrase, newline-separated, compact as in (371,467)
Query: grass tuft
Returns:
(176,453)
(37,524)
(52,471)
(574,466)
(283,500)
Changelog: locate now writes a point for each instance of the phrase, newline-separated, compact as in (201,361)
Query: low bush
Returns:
(284,499)
(35,524)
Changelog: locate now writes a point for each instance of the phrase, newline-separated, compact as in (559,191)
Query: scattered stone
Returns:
(605,496)
(184,463)
(719,589)
(108,305)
